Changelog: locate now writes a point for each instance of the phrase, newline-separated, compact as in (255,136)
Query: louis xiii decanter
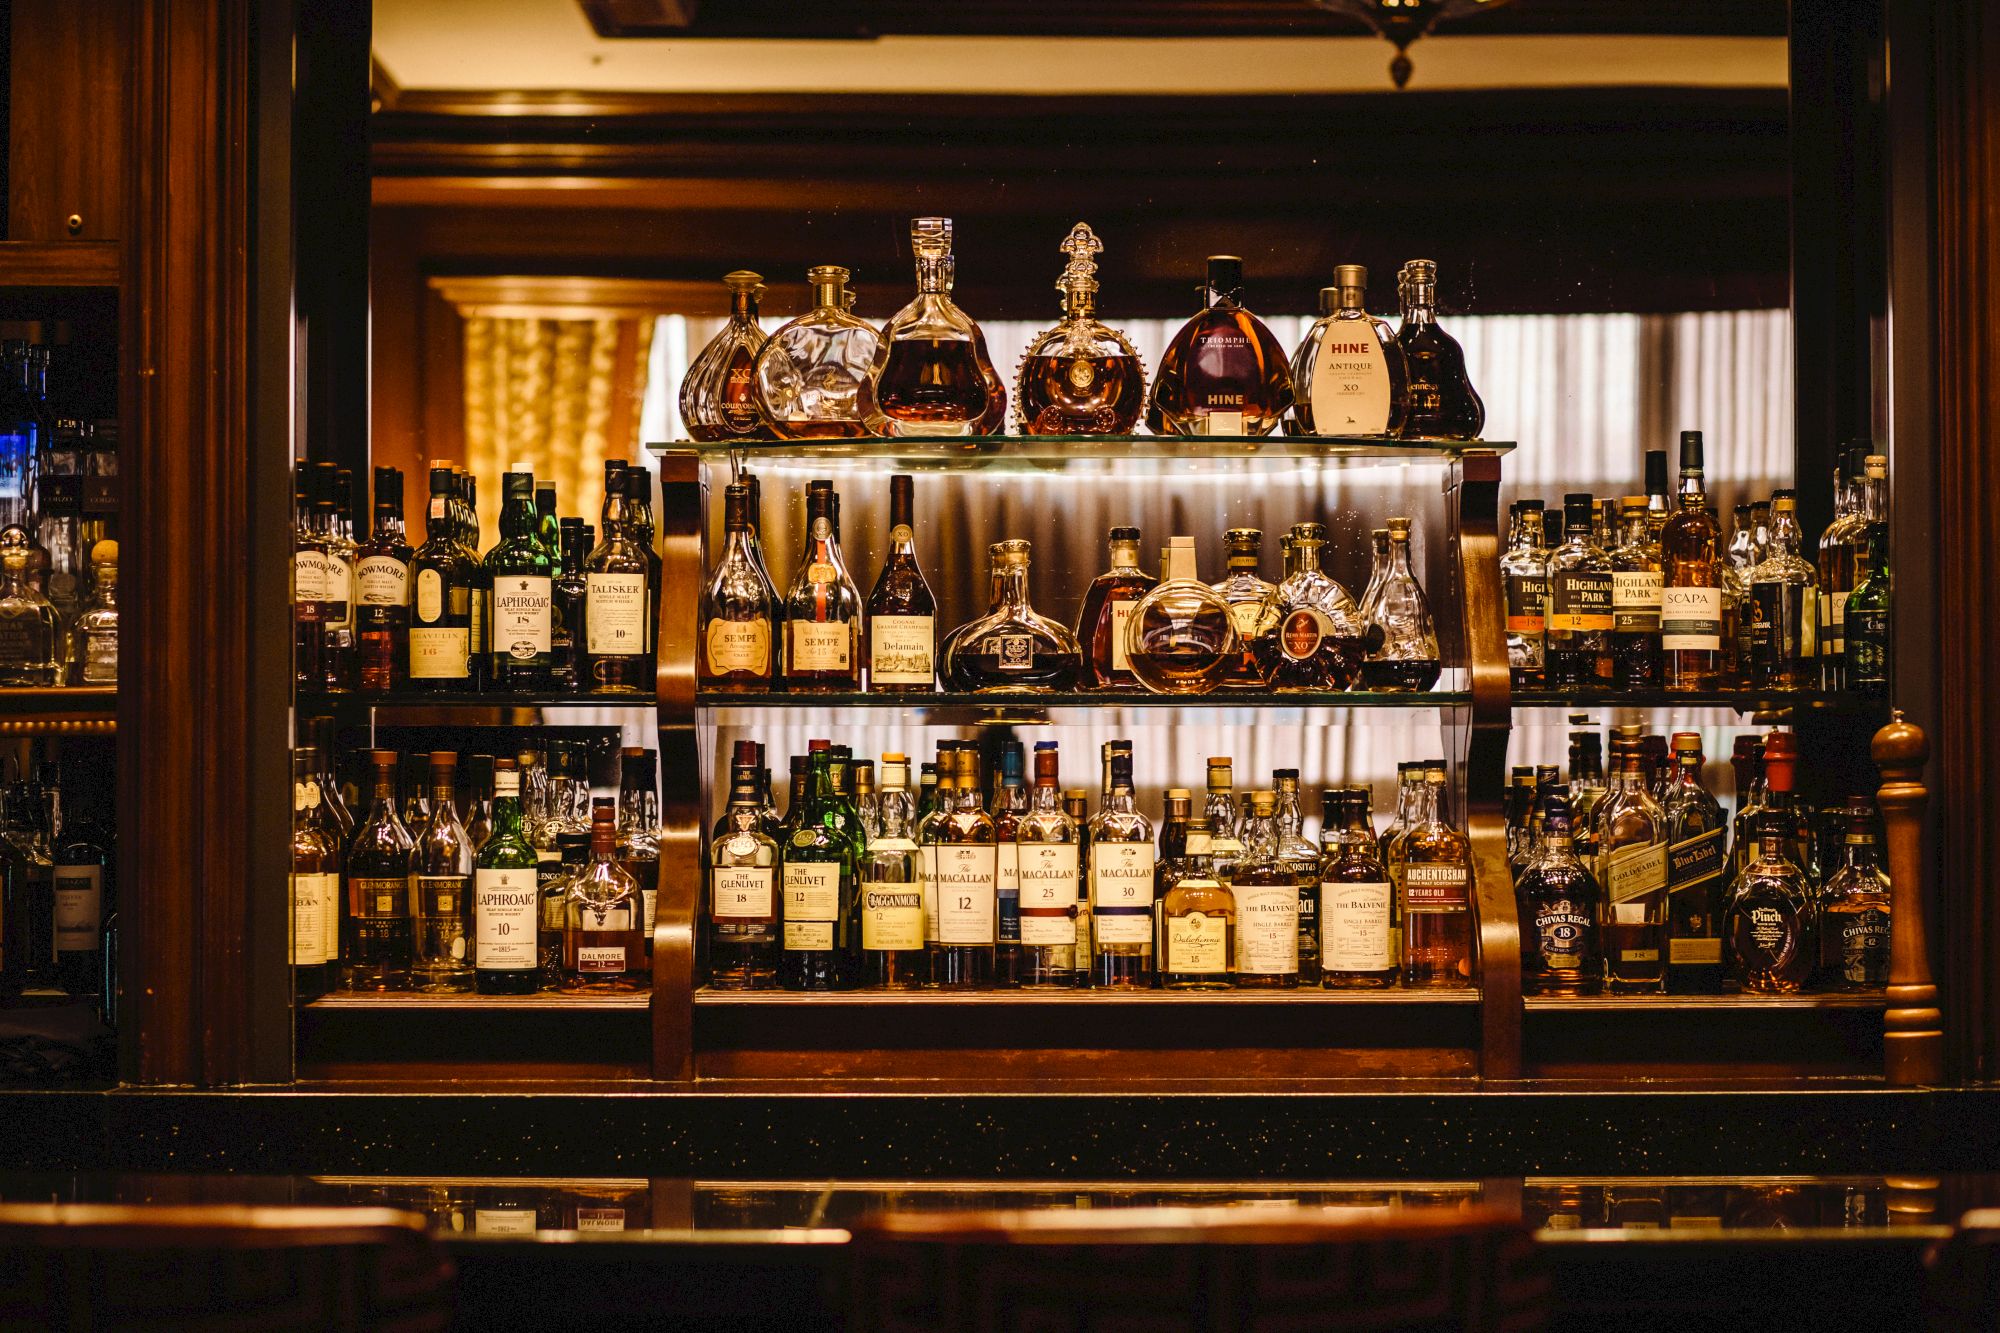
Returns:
(932,375)
(1080,377)
(815,376)
(719,395)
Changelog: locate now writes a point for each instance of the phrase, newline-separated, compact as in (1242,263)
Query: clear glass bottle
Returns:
(1012,646)
(1443,403)
(1080,377)
(604,949)
(719,395)
(1868,624)
(1223,373)
(1249,599)
(1738,553)
(963,869)
(339,554)
(1048,853)
(1181,638)
(1579,616)
(1854,909)
(1357,939)
(376,950)
(928,371)
(1267,902)
(1434,885)
(1561,950)
(1348,376)
(1010,804)
(441,855)
(639,829)
(1378,570)
(315,889)
(1773,923)
(615,639)
(441,604)
(1199,922)
(823,617)
(94,637)
(1524,571)
(902,612)
(1107,606)
(1225,822)
(522,576)
(1697,874)
(1784,601)
(1299,859)
(1315,632)
(893,953)
(1400,637)
(867,800)
(1632,871)
(1693,595)
(29,627)
(59,534)
(815,377)
(1121,880)
(738,610)
(1635,599)
(742,888)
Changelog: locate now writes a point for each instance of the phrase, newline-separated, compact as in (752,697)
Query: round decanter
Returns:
(1012,646)
(1180,638)
(719,395)
(1080,377)
(931,371)
(1312,638)
(814,376)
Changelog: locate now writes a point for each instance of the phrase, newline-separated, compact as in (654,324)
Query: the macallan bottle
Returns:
(902,613)
(929,373)
(719,395)
(1121,880)
(1081,377)
(1348,376)
(737,649)
(964,876)
(1443,403)
(1107,605)
(1048,851)
(1691,599)
(1223,373)
(823,617)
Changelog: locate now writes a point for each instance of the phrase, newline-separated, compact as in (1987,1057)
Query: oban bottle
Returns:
(932,374)
(902,613)
(815,376)
(1081,377)
(719,395)
(738,608)
(1443,403)
(1348,376)
(1223,373)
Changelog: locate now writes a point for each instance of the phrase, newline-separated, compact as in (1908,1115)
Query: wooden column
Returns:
(1913,1036)
(676,914)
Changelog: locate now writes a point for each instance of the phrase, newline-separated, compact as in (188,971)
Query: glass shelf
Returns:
(22,700)
(1863,1000)
(1739,700)
(321,700)
(1017,453)
(707,997)
(1219,708)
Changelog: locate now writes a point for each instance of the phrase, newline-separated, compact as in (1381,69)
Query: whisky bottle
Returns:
(339,554)
(815,377)
(1867,617)
(376,948)
(1348,376)
(1299,858)
(1107,605)
(83,884)
(1121,880)
(1409,795)
(522,577)
(30,633)
(1738,554)
(1443,403)
(929,379)
(441,606)
(315,892)
(737,609)
(1559,902)
(902,613)
(309,582)
(1580,615)
(1048,858)
(742,892)
(1436,894)
(603,943)
(615,639)
(505,903)
(1267,902)
(1010,805)
(641,531)
(1400,637)
(823,618)
(639,831)
(1012,646)
(867,800)
(1834,562)
(1635,600)
(893,954)
(1523,821)
(570,611)
(1784,601)
(1356,904)
(1697,875)
(1080,377)
(1314,634)
(1170,859)
(964,874)
(820,939)
(1200,923)
(1659,507)
(1691,597)
(1854,909)
(1076,804)
(548,524)
(1854,557)
(382,591)
(1524,571)
(1773,926)
(1181,637)
(1223,373)
(1632,869)
(1249,600)
(1225,824)
(93,652)
(719,396)
(440,878)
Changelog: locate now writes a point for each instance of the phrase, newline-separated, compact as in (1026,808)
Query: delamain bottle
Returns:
(1348,376)
(902,613)
(1223,373)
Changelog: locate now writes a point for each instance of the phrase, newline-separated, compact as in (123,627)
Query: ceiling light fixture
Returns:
(1403,21)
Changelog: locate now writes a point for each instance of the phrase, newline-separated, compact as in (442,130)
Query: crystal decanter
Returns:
(1313,634)
(719,395)
(1080,377)
(1401,638)
(932,375)
(1348,376)
(815,376)
(1011,647)
(1181,638)
(1223,373)
(1443,403)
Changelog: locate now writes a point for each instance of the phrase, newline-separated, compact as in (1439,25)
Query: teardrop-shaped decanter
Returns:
(719,395)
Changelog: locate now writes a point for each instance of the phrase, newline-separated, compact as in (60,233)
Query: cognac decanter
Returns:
(815,377)
(1080,377)
(932,376)
(1401,639)
(1443,403)
(1181,638)
(1312,632)
(1348,376)
(719,395)
(1223,373)
(1012,647)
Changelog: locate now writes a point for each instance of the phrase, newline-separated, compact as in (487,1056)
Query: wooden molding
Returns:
(528,297)
(59,263)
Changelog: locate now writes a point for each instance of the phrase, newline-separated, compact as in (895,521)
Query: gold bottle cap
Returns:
(1010,554)
(743,280)
(1631,502)
(104,553)
(1877,466)
(1399,527)
(1263,803)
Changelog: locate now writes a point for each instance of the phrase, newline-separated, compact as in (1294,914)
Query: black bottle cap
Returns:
(1578,509)
(1225,274)
(1124,534)
(1690,451)
(639,485)
(1656,472)
(389,486)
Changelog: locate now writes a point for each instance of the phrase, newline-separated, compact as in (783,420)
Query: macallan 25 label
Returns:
(1047,873)
(900,650)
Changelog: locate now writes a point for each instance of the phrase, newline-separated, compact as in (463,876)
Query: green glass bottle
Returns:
(523,577)
(504,897)
(1868,620)
(819,945)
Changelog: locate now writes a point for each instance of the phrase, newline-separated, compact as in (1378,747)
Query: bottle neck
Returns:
(507,814)
(1010,587)
(1124,555)
(1693,494)
(743,307)
(1784,538)
(1419,303)
(1398,565)
(1303,559)
(934,274)
(1859,848)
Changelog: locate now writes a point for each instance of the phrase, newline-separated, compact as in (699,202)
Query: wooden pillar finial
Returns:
(1913,1027)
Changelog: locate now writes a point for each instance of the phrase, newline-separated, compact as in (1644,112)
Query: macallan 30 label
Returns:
(1121,891)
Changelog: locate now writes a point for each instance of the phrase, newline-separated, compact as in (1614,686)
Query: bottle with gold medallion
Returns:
(719,396)
(1080,377)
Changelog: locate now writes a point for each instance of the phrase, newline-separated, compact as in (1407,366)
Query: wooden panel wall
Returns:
(69,119)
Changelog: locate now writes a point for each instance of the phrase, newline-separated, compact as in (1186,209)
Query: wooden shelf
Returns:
(58,710)
(1085,998)
(324,700)
(405,1001)
(1874,1000)
(59,264)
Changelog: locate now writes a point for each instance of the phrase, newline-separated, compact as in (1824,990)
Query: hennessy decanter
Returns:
(815,376)
(1348,376)
(1012,646)
(1223,373)
(1313,633)
(931,372)
(1401,638)
(1080,377)
(1443,403)
(719,395)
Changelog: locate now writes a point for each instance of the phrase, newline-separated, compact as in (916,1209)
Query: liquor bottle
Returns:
(1784,652)
(1249,599)
(1561,953)
(1170,859)
(815,376)
(1010,804)
(1076,804)
(29,629)
(1223,373)
(1011,647)
(1747,759)
(642,532)
(1349,376)
(719,396)
(1773,927)
(844,814)
(1225,823)
(1580,615)
(59,534)
(1378,570)
(94,637)
(963,872)
(1867,620)
(339,554)
(570,614)
(738,609)
(1121,880)
(1200,923)
(902,613)
(798,799)
(21,435)
(83,887)
(376,947)
(742,890)
(1048,858)
(1107,605)
(1659,507)
(1409,792)
(548,524)
(504,897)
(1525,572)
(1635,600)
(1356,904)
(893,955)
(309,575)
(819,938)
(1632,869)
(1691,596)
(1523,820)
(823,617)
(927,369)
(1400,637)
(382,591)
(315,889)
(1181,637)
(1802,843)
(441,607)
(1315,635)
(867,799)
(1443,403)
(1299,858)
(440,881)
(522,575)
(1853,909)
(1267,902)
(638,834)
(615,641)
(1737,555)
(1080,377)
(604,950)
(1697,875)
(1436,894)
(1834,563)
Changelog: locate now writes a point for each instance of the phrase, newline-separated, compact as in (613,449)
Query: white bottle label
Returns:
(812,891)
(1691,620)
(309,576)
(1121,614)
(521,615)
(430,595)
(967,890)
(384,580)
(892,916)
(329,919)
(1635,600)
(614,614)
(1197,943)
(1224,423)
(339,579)
(1267,927)
(79,908)
(440,654)
(1350,384)
(503,1222)
(1047,877)
(503,920)
(603,957)
(822,647)
(737,892)
(310,894)
(1354,928)
(1121,892)
(900,650)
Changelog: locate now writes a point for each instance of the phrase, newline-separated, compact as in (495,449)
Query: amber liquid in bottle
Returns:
(932,380)
(1100,626)
(1078,395)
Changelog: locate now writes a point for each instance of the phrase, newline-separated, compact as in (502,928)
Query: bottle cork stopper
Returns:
(104,553)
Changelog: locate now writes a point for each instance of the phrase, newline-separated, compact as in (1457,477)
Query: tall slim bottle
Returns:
(1697,875)
(441,648)
(617,633)
(375,945)
(821,944)
(1121,880)
(893,954)
(1691,600)
(522,578)
(966,884)
(315,886)
(902,613)
(739,609)
(441,879)
(1632,869)
(1438,919)
(506,903)
(823,615)
(638,833)
(742,888)
(1048,848)
(382,591)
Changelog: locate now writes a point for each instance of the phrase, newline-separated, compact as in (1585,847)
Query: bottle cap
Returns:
(743,280)
(1656,471)
(104,553)
(1263,803)
(1690,451)
(1225,274)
